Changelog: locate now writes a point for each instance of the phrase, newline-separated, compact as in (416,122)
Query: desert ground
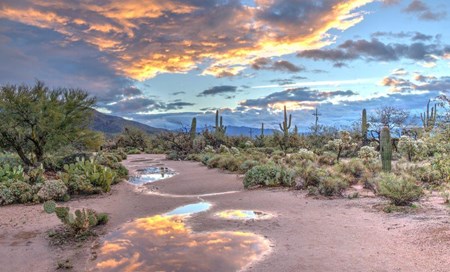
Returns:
(302,233)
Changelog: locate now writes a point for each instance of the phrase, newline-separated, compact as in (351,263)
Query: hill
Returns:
(111,125)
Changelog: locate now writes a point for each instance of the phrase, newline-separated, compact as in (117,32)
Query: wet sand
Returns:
(305,234)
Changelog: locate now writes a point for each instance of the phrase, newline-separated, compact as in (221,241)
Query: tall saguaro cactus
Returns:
(262,131)
(286,123)
(386,149)
(220,129)
(193,131)
(364,127)
(429,117)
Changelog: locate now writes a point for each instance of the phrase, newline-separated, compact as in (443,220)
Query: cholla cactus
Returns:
(224,149)
(234,151)
(52,190)
(249,144)
(306,154)
(368,154)
(209,149)
(341,144)
(411,148)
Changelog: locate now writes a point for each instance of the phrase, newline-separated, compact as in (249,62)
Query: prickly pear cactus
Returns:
(49,206)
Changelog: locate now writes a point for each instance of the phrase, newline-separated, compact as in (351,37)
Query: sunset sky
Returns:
(164,62)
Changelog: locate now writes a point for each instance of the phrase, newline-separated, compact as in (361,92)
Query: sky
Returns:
(164,62)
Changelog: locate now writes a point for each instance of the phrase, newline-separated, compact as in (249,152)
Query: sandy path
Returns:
(306,234)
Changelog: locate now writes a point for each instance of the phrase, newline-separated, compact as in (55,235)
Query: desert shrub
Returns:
(133,151)
(327,158)
(353,168)
(225,161)
(311,174)
(400,190)
(441,164)
(269,175)
(6,195)
(21,191)
(52,190)
(36,174)
(247,165)
(341,145)
(425,174)
(411,148)
(209,149)
(332,185)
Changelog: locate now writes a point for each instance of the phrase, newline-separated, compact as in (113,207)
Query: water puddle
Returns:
(151,174)
(166,243)
(243,215)
(190,209)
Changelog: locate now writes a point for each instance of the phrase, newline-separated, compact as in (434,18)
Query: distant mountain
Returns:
(111,125)
(244,131)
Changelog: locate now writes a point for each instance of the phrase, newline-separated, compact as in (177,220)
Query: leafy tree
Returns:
(132,137)
(391,117)
(36,120)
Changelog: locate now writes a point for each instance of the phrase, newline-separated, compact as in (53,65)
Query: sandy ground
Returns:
(306,234)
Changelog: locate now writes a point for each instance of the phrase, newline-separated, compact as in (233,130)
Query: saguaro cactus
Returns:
(286,123)
(262,131)
(193,131)
(220,129)
(429,117)
(364,127)
(386,149)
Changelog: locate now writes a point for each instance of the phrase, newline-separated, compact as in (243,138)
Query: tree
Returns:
(391,117)
(133,137)
(36,120)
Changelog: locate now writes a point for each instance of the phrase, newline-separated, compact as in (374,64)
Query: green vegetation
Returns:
(400,190)
(47,151)
(78,222)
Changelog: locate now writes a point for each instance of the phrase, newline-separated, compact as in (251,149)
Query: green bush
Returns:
(332,185)
(269,175)
(6,195)
(327,158)
(52,190)
(400,190)
(21,191)
(247,165)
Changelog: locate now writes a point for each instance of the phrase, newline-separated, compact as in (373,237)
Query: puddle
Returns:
(191,209)
(151,174)
(243,214)
(166,243)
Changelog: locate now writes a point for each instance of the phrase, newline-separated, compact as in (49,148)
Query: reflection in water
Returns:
(243,214)
(190,209)
(165,243)
(151,174)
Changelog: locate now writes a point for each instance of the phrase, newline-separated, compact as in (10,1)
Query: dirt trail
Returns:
(306,234)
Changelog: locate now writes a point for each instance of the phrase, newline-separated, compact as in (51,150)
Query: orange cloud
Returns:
(144,39)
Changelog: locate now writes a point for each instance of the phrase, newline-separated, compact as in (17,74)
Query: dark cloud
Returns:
(424,11)
(299,95)
(131,91)
(391,2)
(218,90)
(178,93)
(415,36)
(280,65)
(134,105)
(282,81)
(426,83)
(340,65)
(375,50)
(178,105)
